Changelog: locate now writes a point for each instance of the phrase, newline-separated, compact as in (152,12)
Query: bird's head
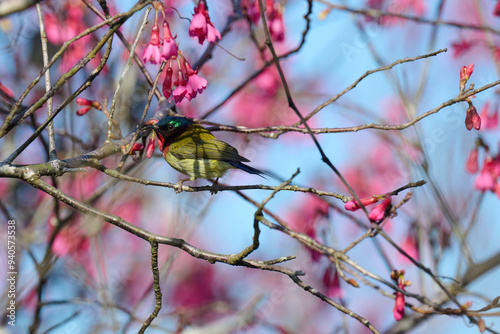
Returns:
(170,127)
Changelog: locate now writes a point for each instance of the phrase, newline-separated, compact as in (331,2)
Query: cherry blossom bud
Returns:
(353,205)
(167,83)
(137,147)
(353,282)
(83,102)
(82,111)
(150,146)
(465,73)
(472,118)
(399,306)
(382,210)
(6,90)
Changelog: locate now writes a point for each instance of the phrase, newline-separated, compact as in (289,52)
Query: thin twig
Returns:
(330,301)
(124,73)
(156,286)
(43,37)
(258,216)
(292,105)
(378,13)
(106,38)
(115,22)
(367,73)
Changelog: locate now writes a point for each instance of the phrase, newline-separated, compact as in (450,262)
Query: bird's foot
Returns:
(178,186)
(215,185)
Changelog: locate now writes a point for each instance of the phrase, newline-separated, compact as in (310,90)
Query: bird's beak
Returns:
(149,127)
(152,127)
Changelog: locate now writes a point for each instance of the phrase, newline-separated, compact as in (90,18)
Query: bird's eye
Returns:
(170,126)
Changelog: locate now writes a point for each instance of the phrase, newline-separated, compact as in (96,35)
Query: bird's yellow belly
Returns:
(198,168)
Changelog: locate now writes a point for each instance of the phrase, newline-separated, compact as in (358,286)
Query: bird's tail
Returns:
(247,168)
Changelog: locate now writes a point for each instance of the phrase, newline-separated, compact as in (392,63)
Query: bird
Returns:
(194,151)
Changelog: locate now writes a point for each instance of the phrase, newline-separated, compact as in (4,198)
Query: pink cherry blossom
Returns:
(70,241)
(189,84)
(194,85)
(152,51)
(269,81)
(485,180)
(410,246)
(213,35)
(179,93)
(170,47)
(489,121)
(461,47)
(251,9)
(198,27)
(471,165)
(201,27)
(331,282)
(60,29)
(197,84)
(276,27)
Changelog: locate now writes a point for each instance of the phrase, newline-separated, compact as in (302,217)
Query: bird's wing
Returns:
(207,149)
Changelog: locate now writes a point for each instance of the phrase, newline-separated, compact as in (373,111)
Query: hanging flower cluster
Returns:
(274,14)
(488,177)
(201,27)
(72,19)
(180,73)
(180,81)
